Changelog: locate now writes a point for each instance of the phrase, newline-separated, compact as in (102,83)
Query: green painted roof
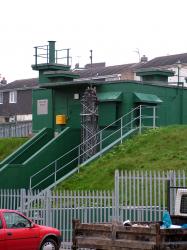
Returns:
(147,98)
(109,96)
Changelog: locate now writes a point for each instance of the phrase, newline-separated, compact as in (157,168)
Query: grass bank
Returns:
(160,149)
(9,145)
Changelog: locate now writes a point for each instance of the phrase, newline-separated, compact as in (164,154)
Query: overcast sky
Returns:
(114,29)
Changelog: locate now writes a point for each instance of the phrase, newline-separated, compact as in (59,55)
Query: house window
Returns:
(13,97)
(1,98)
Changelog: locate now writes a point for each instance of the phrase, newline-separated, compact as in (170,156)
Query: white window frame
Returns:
(13,97)
(1,97)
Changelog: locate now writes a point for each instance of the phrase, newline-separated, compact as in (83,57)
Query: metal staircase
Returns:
(136,120)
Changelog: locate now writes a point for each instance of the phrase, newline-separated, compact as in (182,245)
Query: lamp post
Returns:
(178,71)
(181,91)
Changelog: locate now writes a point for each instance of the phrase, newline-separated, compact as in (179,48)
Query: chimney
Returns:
(51,51)
(95,65)
(144,59)
(77,66)
(3,81)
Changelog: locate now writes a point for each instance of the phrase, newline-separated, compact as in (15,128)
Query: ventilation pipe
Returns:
(52,51)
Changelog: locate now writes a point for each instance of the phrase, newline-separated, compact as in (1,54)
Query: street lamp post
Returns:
(181,91)
(178,72)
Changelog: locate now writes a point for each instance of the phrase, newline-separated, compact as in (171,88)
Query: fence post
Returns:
(116,215)
(171,194)
(23,200)
(154,117)
(140,123)
(168,196)
(47,197)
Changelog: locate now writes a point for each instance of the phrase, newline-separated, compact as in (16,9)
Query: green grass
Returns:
(9,145)
(160,149)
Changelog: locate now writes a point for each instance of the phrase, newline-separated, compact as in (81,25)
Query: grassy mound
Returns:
(9,145)
(159,149)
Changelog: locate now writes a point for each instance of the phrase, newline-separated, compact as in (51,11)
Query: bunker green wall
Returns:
(170,111)
(64,103)
(60,100)
(29,148)
(58,146)
(42,120)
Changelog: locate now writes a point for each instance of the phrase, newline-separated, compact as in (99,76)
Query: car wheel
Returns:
(49,244)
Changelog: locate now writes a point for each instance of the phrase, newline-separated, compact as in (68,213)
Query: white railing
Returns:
(19,129)
(118,130)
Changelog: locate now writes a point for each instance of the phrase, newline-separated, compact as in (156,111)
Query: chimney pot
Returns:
(144,59)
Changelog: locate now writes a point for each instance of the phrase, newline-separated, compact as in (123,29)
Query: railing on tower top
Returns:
(136,119)
(61,56)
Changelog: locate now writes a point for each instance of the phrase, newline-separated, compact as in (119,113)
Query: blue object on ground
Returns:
(166,219)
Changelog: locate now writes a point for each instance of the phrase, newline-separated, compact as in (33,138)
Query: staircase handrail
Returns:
(78,146)
(74,159)
(71,150)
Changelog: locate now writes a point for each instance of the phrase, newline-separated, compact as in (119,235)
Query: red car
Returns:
(17,232)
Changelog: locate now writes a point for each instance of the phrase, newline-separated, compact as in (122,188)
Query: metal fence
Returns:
(137,196)
(58,209)
(18,129)
(144,195)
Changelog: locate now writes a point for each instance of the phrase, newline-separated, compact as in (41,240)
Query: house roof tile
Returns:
(20,84)
(166,60)
(103,71)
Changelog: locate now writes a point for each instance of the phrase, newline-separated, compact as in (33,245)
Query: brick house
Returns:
(176,63)
(100,72)
(16,100)
(16,97)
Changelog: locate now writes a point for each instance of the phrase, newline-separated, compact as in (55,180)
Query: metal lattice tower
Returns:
(89,124)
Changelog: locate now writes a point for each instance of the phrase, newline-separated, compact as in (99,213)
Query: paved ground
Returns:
(68,246)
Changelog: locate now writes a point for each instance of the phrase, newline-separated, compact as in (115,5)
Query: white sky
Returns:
(113,29)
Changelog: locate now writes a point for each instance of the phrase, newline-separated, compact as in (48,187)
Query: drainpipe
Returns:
(51,51)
